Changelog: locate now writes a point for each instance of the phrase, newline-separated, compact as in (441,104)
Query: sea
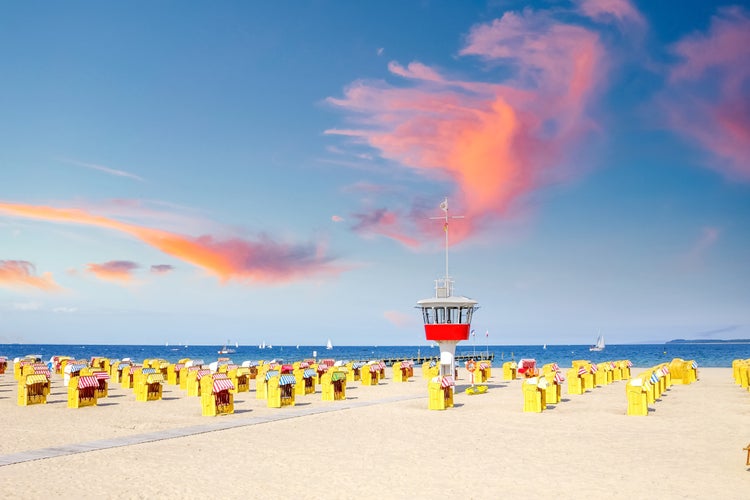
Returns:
(641,355)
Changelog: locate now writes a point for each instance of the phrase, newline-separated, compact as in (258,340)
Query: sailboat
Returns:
(599,346)
(329,345)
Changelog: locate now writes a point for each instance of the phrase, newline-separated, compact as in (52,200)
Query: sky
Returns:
(204,172)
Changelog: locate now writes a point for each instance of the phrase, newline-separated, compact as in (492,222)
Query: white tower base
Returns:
(447,357)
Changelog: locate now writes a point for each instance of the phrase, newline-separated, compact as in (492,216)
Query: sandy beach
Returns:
(383,442)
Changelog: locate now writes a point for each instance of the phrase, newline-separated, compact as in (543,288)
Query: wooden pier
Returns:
(461,358)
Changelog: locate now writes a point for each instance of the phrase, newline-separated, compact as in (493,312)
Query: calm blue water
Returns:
(641,355)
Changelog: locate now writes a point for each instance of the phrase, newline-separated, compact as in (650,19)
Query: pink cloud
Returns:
(622,11)
(337,218)
(707,99)
(495,142)
(20,274)
(415,70)
(114,270)
(260,260)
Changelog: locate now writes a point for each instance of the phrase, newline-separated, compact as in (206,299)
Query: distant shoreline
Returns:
(709,341)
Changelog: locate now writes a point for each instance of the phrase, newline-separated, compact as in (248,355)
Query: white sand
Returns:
(689,446)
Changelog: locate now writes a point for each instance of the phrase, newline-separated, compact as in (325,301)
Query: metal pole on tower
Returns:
(445,217)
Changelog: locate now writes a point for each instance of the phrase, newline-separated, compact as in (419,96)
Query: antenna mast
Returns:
(445,217)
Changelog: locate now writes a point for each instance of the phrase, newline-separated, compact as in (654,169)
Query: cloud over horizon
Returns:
(21,274)
(261,261)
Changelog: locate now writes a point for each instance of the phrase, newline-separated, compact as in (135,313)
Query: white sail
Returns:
(329,345)
(599,346)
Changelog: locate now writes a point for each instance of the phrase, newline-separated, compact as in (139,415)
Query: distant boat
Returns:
(329,345)
(262,345)
(544,346)
(599,346)
(226,350)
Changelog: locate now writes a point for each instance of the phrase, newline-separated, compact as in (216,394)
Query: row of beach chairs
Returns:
(646,388)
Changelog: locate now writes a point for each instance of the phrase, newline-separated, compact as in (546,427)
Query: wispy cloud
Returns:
(120,271)
(64,310)
(706,240)
(21,274)
(496,142)
(400,319)
(106,170)
(261,260)
(26,306)
(707,97)
(161,268)
(385,223)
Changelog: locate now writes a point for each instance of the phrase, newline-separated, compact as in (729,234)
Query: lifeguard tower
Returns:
(447,317)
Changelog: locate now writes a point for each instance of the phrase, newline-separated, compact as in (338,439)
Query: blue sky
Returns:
(192,172)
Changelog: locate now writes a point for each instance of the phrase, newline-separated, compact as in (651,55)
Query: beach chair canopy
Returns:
(271,374)
(87,381)
(71,368)
(338,375)
(222,384)
(287,380)
(447,382)
(101,375)
(36,379)
(155,378)
(309,373)
(42,370)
